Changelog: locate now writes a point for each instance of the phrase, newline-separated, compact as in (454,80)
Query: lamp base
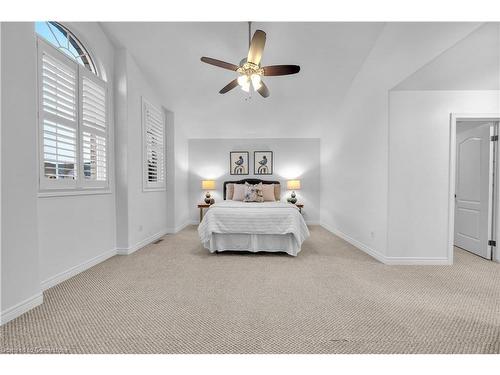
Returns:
(293,198)
(208,199)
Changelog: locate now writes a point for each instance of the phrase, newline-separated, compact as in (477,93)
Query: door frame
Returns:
(454,118)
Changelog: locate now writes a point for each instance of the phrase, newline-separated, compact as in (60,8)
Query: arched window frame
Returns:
(72,40)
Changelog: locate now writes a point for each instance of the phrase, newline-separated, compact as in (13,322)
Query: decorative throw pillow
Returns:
(277,191)
(253,193)
(239,192)
(229,191)
(268,192)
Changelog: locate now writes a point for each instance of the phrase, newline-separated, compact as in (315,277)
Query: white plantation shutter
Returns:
(154,146)
(93,129)
(73,124)
(58,118)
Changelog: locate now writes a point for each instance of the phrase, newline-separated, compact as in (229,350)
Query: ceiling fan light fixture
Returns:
(256,81)
(246,87)
(243,80)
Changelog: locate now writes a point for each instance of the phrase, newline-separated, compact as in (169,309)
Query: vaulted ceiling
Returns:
(473,63)
(330,55)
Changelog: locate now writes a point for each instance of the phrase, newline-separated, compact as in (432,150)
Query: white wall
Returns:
(143,216)
(147,209)
(0,172)
(76,230)
(419,159)
(354,158)
(121,147)
(19,259)
(181,186)
(293,158)
(46,239)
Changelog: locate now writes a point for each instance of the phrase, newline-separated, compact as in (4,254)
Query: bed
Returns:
(271,226)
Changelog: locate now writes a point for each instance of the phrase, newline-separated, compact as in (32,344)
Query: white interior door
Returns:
(474,189)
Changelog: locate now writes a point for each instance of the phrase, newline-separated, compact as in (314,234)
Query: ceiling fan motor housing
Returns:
(249,68)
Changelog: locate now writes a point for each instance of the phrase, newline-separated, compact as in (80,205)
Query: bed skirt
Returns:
(253,243)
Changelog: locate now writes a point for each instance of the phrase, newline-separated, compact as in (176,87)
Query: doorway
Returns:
(476,193)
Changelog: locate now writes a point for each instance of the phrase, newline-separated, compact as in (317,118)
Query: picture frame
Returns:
(263,163)
(239,163)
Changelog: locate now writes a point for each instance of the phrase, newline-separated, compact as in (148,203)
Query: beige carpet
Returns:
(175,297)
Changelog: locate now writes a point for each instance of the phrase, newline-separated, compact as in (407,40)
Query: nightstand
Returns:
(201,206)
(300,206)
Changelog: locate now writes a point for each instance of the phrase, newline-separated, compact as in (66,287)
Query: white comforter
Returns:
(231,217)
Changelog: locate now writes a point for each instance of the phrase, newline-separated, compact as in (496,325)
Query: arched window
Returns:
(72,114)
(64,40)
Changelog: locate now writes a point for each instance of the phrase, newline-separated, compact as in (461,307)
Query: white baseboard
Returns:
(385,259)
(312,222)
(22,307)
(178,228)
(358,244)
(141,244)
(417,261)
(182,226)
(73,271)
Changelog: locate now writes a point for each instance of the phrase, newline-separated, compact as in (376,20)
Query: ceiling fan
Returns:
(249,69)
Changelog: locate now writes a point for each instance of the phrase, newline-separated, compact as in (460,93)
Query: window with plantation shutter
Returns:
(58,119)
(153,124)
(73,126)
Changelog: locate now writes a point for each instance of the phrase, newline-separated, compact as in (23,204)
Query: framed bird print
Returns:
(238,162)
(262,162)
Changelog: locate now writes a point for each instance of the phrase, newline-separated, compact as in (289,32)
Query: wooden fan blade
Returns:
(256,47)
(280,70)
(231,85)
(263,90)
(219,63)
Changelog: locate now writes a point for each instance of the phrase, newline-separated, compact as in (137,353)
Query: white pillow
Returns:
(239,192)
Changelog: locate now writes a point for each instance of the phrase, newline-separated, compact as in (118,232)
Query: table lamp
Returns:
(208,185)
(293,185)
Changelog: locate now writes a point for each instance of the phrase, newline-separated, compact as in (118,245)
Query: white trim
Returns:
(65,193)
(22,307)
(454,117)
(312,222)
(381,257)
(358,244)
(179,227)
(75,270)
(141,244)
(417,261)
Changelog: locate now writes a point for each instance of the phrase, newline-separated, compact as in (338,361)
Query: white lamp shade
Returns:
(293,184)
(208,185)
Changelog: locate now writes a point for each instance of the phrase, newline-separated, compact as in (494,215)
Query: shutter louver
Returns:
(58,102)
(154,142)
(94,128)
